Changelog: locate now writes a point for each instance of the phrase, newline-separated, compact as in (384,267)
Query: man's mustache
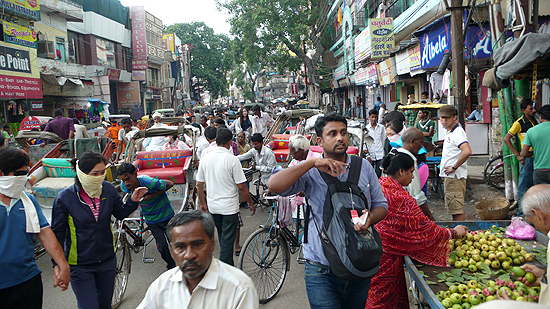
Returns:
(189,263)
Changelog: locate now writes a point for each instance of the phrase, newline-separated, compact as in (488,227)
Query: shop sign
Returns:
(18,80)
(74,103)
(26,8)
(352,79)
(480,43)
(29,123)
(381,33)
(37,106)
(362,76)
(362,46)
(113,74)
(156,96)
(386,71)
(138,75)
(19,35)
(128,95)
(169,42)
(372,73)
(414,58)
(435,43)
(402,62)
(340,72)
(294,89)
(139,41)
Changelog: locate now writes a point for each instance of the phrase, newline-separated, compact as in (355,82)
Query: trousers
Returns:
(227,231)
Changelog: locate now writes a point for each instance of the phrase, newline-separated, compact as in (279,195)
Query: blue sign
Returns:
(435,41)
(479,43)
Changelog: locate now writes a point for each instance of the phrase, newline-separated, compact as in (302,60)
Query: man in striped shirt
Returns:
(156,207)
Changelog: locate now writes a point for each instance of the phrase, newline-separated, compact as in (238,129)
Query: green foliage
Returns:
(211,57)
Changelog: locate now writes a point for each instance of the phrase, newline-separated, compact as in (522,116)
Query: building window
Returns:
(72,44)
(60,49)
(105,53)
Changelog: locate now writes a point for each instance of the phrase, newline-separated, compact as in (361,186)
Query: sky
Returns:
(185,11)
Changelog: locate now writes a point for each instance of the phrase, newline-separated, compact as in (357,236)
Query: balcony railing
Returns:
(397,7)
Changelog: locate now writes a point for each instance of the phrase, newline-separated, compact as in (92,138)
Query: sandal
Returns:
(238,252)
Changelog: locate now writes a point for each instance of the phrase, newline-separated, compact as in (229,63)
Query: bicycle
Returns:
(265,256)
(257,198)
(136,230)
(493,174)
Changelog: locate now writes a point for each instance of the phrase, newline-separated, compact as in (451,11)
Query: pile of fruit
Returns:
(477,257)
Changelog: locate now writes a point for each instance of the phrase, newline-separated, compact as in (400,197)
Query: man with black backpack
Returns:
(341,247)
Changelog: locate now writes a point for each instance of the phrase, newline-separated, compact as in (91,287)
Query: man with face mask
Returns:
(199,281)
(20,218)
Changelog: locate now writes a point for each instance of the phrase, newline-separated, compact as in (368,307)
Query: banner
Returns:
(386,71)
(435,41)
(372,73)
(128,95)
(26,8)
(169,42)
(381,33)
(362,46)
(402,62)
(19,35)
(414,58)
(139,40)
(19,75)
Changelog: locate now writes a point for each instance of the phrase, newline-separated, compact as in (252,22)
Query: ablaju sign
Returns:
(139,41)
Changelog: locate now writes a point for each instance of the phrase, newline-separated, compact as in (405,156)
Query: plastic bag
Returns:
(520,229)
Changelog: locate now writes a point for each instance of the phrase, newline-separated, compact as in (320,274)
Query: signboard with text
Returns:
(435,41)
(414,58)
(26,8)
(18,79)
(128,95)
(362,46)
(19,35)
(113,74)
(138,75)
(381,33)
(386,71)
(294,89)
(139,41)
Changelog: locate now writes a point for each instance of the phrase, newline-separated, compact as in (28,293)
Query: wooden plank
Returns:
(422,285)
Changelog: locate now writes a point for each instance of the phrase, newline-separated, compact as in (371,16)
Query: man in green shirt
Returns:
(426,125)
(538,138)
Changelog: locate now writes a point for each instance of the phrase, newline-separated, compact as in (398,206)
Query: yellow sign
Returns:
(19,35)
(169,42)
(381,35)
(27,8)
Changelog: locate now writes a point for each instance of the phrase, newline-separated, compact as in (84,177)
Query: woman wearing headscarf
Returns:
(81,221)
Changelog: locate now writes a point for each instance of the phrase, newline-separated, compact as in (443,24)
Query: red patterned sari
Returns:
(405,231)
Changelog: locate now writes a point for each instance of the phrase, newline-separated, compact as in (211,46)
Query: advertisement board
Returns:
(361,76)
(381,35)
(414,58)
(340,72)
(169,42)
(19,35)
(362,46)
(372,73)
(139,41)
(138,75)
(435,41)
(19,75)
(386,71)
(26,8)
(128,95)
(402,62)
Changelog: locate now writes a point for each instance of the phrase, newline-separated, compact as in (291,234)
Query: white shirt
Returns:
(202,144)
(381,114)
(376,150)
(220,169)
(211,147)
(451,152)
(80,131)
(259,124)
(125,136)
(414,188)
(157,143)
(265,161)
(222,287)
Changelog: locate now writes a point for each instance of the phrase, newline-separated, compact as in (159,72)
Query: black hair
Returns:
(396,108)
(126,121)
(544,112)
(210,132)
(219,121)
(86,163)
(257,138)
(12,159)
(75,121)
(396,125)
(186,217)
(5,127)
(378,98)
(373,112)
(425,93)
(392,116)
(196,125)
(57,112)
(525,103)
(223,136)
(42,127)
(204,117)
(322,121)
(395,161)
(256,107)
(126,168)
(241,117)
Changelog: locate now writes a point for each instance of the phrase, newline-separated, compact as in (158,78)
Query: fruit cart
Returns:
(423,280)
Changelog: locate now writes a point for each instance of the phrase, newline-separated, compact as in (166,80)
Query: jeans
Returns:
(227,231)
(325,290)
(159,232)
(525,181)
(541,177)
(25,295)
(94,285)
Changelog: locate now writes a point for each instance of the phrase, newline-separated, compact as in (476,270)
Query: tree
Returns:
(298,25)
(210,58)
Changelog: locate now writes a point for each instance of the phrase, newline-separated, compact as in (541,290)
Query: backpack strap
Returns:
(354,172)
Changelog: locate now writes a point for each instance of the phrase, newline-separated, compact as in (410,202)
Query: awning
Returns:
(61,80)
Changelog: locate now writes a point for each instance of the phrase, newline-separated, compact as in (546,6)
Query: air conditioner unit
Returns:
(46,49)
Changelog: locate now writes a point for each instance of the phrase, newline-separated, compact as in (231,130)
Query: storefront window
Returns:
(105,53)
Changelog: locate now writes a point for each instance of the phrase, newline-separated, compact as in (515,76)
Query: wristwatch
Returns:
(454,168)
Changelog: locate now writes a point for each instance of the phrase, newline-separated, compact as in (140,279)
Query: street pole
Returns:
(459,79)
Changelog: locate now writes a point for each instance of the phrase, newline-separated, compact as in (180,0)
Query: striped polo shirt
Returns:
(158,209)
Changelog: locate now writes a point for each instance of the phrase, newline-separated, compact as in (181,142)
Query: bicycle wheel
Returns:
(264,258)
(123,261)
(492,164)
(496,177)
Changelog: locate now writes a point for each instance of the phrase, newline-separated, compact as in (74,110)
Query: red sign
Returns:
(138,38)
(20,87)
(294,87)
(128,95)
(113,74)
(37,106)
(29,123)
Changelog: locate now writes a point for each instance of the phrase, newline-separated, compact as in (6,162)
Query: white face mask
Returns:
(394,138)
(12,186)
(92,185)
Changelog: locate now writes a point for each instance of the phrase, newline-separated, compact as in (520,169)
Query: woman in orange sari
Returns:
(405,231)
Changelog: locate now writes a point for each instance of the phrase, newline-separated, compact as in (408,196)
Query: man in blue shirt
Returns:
(324,289)
(476,115)
(156,207)
(378,103)
(20,279)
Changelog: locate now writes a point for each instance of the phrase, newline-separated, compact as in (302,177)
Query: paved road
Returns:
(292,294)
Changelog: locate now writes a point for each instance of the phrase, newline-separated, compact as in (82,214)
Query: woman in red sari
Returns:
(405,231)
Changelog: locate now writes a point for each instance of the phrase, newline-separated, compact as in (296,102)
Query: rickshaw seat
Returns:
(165,164)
